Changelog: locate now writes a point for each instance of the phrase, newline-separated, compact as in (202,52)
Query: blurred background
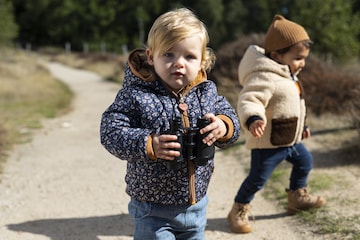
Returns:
(116,26)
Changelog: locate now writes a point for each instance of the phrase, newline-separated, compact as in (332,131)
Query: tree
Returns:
(332,25)
(8,27)
(116,23)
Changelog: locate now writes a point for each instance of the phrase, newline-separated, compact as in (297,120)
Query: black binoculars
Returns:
(192,146)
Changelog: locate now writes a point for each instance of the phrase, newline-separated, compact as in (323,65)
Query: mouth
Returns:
(297,72)
(177,74)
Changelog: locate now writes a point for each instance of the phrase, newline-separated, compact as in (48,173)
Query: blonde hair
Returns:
(176,25)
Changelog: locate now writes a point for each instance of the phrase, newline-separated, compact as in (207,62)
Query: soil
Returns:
(63,185)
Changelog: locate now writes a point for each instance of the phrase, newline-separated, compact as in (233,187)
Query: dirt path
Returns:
(65,186)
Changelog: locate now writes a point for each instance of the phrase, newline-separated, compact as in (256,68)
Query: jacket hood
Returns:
(139,65)
(139,73)
(255,61)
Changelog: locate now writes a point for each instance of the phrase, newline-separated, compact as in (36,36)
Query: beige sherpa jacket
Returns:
(270,93)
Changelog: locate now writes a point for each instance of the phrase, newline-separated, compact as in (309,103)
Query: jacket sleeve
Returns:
(254,97)
(118,131)
(227,113)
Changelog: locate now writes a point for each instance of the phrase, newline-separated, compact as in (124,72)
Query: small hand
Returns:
(257,128)
(165,146)
(216,129)
(306,133)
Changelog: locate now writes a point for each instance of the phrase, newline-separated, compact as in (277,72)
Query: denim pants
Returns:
(264,162)
(162,222)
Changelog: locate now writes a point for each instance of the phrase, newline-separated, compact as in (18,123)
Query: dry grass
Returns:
(28,94)
(110,66)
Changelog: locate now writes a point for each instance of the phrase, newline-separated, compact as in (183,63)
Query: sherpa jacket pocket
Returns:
(283,131)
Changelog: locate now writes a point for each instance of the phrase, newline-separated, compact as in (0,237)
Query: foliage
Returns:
(8,28)
(331,26)
(124,24)
(55,22)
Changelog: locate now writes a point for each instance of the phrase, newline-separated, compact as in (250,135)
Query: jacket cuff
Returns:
(251,120)
(149,149)
(229,127)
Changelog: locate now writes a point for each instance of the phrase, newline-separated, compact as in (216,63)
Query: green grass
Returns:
(323,221)
(340,227)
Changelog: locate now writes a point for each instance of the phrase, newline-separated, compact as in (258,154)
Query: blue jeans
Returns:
(162,222)
(264,162)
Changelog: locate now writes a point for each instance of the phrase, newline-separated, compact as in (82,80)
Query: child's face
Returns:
(179,65)
(294,58)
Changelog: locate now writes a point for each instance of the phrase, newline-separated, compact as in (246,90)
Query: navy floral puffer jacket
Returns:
(144,106)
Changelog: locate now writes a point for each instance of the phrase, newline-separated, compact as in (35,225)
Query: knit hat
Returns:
(283,33)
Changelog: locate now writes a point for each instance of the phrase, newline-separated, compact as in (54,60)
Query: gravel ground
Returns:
(63,185)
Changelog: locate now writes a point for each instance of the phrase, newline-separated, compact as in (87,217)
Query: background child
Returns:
(152,124)
(272,111)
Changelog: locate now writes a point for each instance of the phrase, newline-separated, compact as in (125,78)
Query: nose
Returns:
(179,62)
(302,64)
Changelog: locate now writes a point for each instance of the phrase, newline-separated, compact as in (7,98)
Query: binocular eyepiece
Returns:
(192,146)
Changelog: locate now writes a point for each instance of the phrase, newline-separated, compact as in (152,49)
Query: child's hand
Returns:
(216,129)
(257,128)
(306,133)
(165,146)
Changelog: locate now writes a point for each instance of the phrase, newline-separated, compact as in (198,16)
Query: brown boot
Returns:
(300,199)
(239,219)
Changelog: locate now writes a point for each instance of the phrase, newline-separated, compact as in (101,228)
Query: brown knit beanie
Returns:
(283,33)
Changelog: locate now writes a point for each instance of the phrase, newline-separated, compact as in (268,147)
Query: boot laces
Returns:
(305,195)
(244,212)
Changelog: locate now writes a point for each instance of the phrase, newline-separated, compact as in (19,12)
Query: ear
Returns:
(149,57)
(274,55)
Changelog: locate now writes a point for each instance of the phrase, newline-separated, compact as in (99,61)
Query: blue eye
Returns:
(168,54)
